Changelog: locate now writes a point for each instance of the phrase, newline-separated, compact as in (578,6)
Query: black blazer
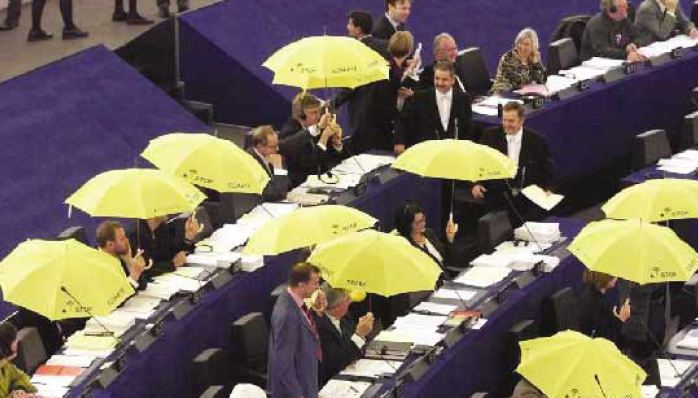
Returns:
(535,162)
(142,281)
(304,157)
(445,248)
(377,44)
(160,246)
(419,120)
(596,316)
(338,350)
(290,127)
(278,186)
(385,30)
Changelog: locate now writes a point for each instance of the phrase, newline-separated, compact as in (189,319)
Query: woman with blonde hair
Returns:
(521,65)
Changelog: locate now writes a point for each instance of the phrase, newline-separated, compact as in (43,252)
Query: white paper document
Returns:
(220,260)
(483,276)
(435,308)
(495,259)
(668,371)
(414,336)
(179,282)
(337,181)
(542,232)
(579,73)
(649,391)
(516,248)
(444,293)
(542,199)
(604,64)
(344,389)
(50,391)
(140,304)
(53,381)
(362,164)
(159,290)
(372,368)
(80,361)
(419,321)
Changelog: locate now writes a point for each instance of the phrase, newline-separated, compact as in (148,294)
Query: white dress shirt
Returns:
(443,102)
(358,340)
(514,146)
(432,250)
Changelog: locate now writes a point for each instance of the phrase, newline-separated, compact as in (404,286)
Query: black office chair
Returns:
(572,27)
(493,228)
(30,350)
(216,392)
(250,338)
(562,54)
(76,232)
(694,13)
(525,329)
(234,205)
(689,132)
(470,64)
(650,146)
(694,97)
(211,367)
(560,312)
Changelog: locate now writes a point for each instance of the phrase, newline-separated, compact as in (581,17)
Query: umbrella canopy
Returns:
(456,160)
(207,161)
(570,364)
(375,262)
(306,227)
(655,200)
(327,61)
(135,193)
(43,275)
(634,250)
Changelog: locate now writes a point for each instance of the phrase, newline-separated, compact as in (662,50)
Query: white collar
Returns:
(440,95)
(259,154)
(392,22)
(515,137)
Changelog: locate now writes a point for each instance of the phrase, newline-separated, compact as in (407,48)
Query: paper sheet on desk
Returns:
(663,47)
(53,381)
(542,232)
(344,389)
(228,237)
(444,293)
(649,391)
(50,391)
(541,198)
(579,73)
(98,344)
(601,63)
(414,336)
(371,368)
(81,361)
(435,308)
(342,182)
(159,290)
(419,321)
(513,248)
(221,260)
(483,276)
(363,163)
(495,259)
(180,282)
(667,371)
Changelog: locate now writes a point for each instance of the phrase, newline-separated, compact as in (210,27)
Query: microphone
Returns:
(106,332)
(520,217)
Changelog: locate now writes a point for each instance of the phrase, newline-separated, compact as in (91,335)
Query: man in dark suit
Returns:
(529,150)
(433,114)
(315,147)
(397,12)
(445,49)
(265,147)
(359,26)
(294,343)
(341,339)
(112,239)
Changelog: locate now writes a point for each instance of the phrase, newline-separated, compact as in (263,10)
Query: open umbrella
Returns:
(655,200)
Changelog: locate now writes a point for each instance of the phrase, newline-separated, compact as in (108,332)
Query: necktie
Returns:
(313,327)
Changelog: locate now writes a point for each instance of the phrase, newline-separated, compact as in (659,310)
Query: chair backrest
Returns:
(215,392)
(572,27)
(562,54)
(694,97)
(689,133)
(565,309)
(250,338)
(650,146)
(76,232)
(471,65)
(210,367)
(30,350)
(493,228)
(694,13)
(234,205)
(523,330)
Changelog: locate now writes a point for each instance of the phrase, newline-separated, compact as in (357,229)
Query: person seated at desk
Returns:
(13,382)
(394,20)
(445,49)
(154,239)
(432,114)
(265,148)
(410,222)
(657,20)
(314,148)
(341,339)
(521,65)
(598,317)
(611,34)
(112,239)
(529,150)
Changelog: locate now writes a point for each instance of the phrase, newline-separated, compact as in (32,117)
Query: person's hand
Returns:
(192,228)
(635,56)
(179,259)
(547,192)
(398,149)
(327,133)
(451,230)
(671,5)
(325,120)
(275,160)
(136,265)
(404,93)
(630,48)
(478,191)
(320,302)
(365,325)
(624,312)
(337,137)
(693,33)
(535,57)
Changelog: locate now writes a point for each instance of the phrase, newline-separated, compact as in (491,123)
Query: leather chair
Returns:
(234,205)
(76,232)
(560,312)
(689,132)
(30,350)
(211,367)
(562,54)
(650,146)
(250,339)
(572,27)
(493,228)
(694,97)
(470,64)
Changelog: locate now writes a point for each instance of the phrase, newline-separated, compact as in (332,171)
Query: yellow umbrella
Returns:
(207,161)
(135,193)
(634,250)
(375,262)
(327,61)
(456,160)
(63,279)
(570,364)
(306,227)
(655,200)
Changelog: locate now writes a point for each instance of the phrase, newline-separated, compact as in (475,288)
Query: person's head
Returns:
(512,117)
(111,238)
(8,341)
(444,76)
(400,45)
(304,279)
(359,24)
(599,280)
(306,109)
(617,10)
(398,10)
(338,301)
(526,43)
(410,219)
(265,140)
(445,48)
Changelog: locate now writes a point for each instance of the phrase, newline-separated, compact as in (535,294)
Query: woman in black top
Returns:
(410,222)
(599,317)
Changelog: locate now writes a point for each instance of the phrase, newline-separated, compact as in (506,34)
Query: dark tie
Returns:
(313,327)
(400,27)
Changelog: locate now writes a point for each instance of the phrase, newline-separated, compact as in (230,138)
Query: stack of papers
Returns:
(98,346)
(159,290)
(49,391)
(220,260)
(227,238)
(579,73)
(179,282)
(250,262)
(419,321)
(81,361)
(435,308)
(452,294)
(344,389)
(372,368)
(483,276)
(302,197)
(682,163)
(142,305)
(604,64)
(671,371)
(662,47)
(690,341)
(542,232)
(362,164)
(516,248)
(496,259)
(542,199)
(263,213)
(412,336)
(118,322)
(526,262)
(336,182)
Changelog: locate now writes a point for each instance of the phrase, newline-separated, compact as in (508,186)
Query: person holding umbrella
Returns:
(13,382)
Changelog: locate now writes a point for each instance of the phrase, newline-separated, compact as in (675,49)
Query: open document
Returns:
(541,198)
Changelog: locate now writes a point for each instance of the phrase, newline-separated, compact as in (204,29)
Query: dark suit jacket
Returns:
(338,350)
(290,127)
(160,246)
(596,316)
(292,364)
(278,186)
(384,29)
(419,120)
(377,44)
(445,249)
(304,157)
(142,281)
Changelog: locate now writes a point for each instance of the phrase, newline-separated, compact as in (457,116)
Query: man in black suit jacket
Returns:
(341,340)
(445,49)
(535,165)
(397,12)
(432,114)
(265,147)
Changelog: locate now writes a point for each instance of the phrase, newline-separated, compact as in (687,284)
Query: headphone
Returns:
(612,7)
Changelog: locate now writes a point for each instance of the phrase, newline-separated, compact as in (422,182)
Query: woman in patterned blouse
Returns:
(520,65)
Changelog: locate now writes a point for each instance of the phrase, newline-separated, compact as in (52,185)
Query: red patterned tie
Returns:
(313,326)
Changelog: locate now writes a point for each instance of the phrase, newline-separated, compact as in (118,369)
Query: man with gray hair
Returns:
(445,49)
(340,339)
(656,20)
(611,34)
